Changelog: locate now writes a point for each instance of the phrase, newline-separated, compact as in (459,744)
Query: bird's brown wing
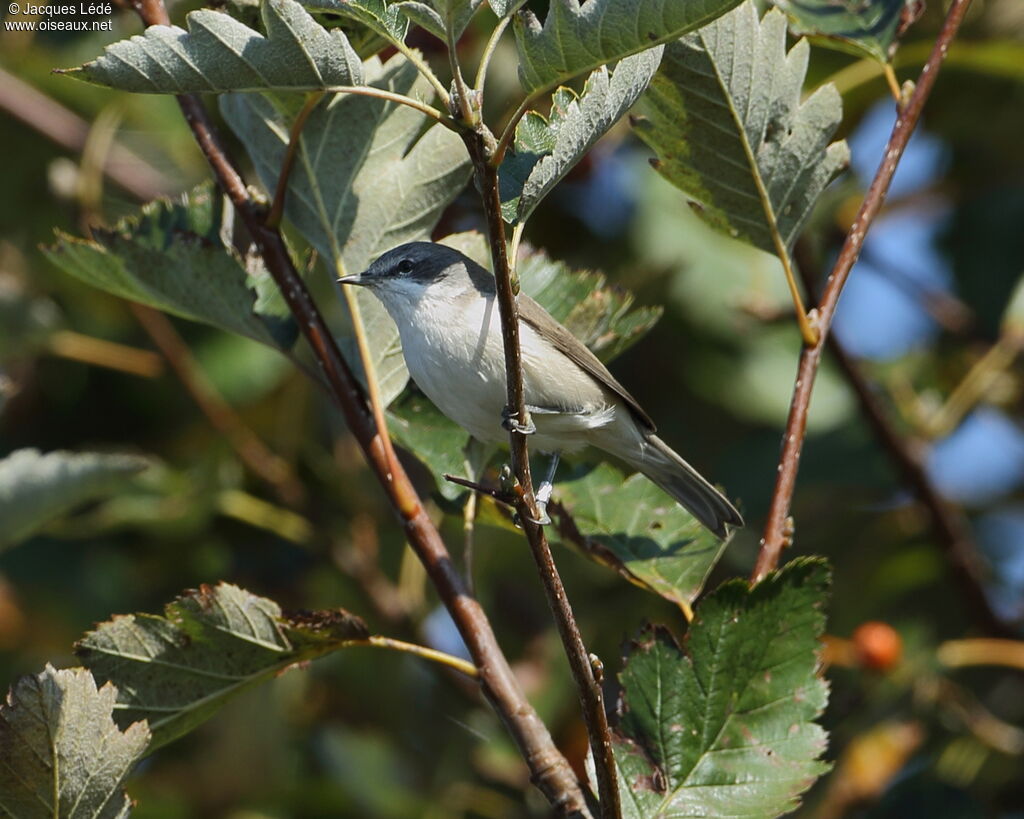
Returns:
(565,342)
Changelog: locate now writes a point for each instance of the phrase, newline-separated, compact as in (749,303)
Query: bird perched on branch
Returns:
(446,310)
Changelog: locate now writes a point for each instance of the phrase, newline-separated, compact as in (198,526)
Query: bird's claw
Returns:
(509,422)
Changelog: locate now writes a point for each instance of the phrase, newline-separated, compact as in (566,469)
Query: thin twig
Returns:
(549,769)
(773,540)
(251,450)
(57,123)
(509,133)
(281,191)
(492,44)
(102,353)
(961,653)
(966,565)
(588,687)
(496,494)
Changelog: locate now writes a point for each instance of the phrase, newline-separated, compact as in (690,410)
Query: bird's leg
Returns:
(547,486)
(510,422)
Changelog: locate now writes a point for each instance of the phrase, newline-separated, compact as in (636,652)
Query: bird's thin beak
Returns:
(355,278)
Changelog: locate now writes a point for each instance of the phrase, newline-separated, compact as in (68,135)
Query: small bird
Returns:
(445,307)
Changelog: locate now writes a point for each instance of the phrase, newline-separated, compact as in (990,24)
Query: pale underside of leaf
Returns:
(386,19)
(366,178)
(546,150)
(725,119)
(437,16)
(171,256)
(579,37)
(36,488)
(725,726)
(58,739)
(218,53)
(176,671)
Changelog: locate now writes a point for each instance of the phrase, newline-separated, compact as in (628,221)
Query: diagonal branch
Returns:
(549,769)
(580,662)
(774,538)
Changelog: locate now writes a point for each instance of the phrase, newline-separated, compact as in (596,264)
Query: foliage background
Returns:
(371,734)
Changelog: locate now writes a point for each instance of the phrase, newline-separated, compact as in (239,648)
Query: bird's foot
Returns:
(510,422)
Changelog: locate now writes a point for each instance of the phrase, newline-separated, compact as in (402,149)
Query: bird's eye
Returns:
(405,267)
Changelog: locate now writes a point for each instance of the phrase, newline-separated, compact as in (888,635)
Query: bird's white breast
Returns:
(453,349)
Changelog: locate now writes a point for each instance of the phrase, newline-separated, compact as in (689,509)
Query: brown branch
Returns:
(549,770)
(255,454)
(951,530)
(587,685)
(773,540)
(67,129)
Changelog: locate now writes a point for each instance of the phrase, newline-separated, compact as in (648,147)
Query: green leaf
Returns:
(419,427)
(725,118)
(600,315)
(437,15)
(632,526)
(724,726)
(864,28)
(176,671)
(36,488)
(385,19)
(366,178)
(218,54)
(545,150)
(172,257)
(579,37)
(60,752)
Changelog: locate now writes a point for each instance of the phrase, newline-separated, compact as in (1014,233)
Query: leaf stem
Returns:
(890,78)
(509,133)
(774,537)
(489,49)
(808,332)
(380,93)
(413,56)
(435,656)
(102,353)
(281,191)
(587,685)
(549,769)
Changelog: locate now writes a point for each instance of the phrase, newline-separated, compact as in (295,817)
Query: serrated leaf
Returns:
(724,727)
(176,671)
(864,28)
(504,7)
(545,150)
(366,178)
(61,753)
(579,37)
(171,256)
(724,116)
(632,526)
(218,53)
(36,488)
(437,15)
(600,315)
(386,19)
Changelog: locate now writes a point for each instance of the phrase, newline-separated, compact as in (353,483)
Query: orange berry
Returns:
(878,645)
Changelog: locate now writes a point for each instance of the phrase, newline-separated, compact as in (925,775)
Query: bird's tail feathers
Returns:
(659,462)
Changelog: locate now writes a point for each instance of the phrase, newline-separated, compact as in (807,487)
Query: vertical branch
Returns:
(774,538)
(550,771)
(587,684)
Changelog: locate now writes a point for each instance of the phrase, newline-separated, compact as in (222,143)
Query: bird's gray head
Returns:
(411,270)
